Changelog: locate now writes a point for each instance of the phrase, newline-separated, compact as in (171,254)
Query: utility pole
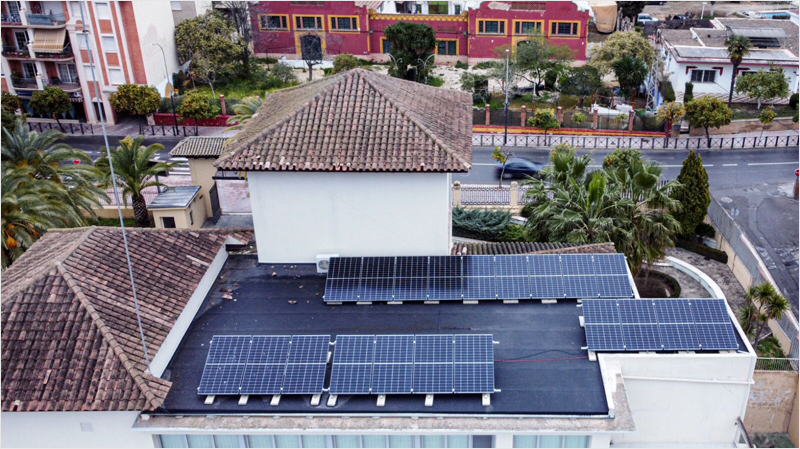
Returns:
(505,135)
(171,97)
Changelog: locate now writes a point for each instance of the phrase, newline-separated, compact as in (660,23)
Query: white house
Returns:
(699,55)
(355,164)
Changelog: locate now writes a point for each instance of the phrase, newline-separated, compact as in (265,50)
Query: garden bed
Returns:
(167,119)
(658,285)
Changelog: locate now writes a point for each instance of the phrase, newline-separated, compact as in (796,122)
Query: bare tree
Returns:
(311,51)
(240,15)
(334,43)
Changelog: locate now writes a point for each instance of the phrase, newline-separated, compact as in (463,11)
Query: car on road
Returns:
(519,167)
(645,18)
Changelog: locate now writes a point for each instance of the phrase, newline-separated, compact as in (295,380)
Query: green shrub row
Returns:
(489,225)
(670,281)
(703,250)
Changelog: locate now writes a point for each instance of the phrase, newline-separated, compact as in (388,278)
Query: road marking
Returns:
(708,165)
(773,163)
(730,165)
(488,165)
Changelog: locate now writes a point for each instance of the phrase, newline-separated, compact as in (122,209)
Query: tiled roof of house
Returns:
(479,248)
(356,121)
(199,146)
(69,332)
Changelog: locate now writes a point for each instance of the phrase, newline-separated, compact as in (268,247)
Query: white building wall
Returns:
(71,429)
(298,215)
(155,24)
(682,400)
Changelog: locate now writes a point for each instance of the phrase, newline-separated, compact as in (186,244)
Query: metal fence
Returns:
(484,195)
(640,143)
(163,130)
(70,128)
(745,253)
(773,364)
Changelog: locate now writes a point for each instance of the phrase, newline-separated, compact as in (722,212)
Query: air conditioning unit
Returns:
(323,262)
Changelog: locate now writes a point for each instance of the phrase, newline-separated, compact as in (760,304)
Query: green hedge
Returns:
(703,250)
(705,230)
(670,281)
(489,225)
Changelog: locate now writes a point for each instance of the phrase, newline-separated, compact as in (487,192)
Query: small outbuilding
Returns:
(179,207)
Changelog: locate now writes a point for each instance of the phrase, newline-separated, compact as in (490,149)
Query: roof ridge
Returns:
(137,376)
(416,123)
(228,152)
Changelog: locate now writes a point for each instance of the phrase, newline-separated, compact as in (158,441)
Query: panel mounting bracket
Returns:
(549,301)
(511,301)
(393,303)
(209,399)
(428,400)
(333,303)
(364,303)
(486,399)
(332,400)
(381,400)
(315,399)
(430,302)
(592,356)
(243,399)
(469,301)
(276,400)
(580,319)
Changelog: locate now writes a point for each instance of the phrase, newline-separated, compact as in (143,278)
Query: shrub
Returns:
(485,65)
(178,82)
(668,92)
(567,101)
(51,101)
(461,65)
(514,233)
(344,62)
(793,100)
(134,99)
(283,73)
(435,81)
(622,158)
(487,225)
(578,117)
(704,229)
(688,90)
(703,250)
(196,106)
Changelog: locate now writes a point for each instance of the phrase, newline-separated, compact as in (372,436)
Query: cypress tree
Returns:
(693,194)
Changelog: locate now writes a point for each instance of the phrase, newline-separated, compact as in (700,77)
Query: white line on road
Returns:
(773,163)
(488,165)
(730,165)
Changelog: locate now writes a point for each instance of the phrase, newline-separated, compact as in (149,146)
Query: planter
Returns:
(164,118)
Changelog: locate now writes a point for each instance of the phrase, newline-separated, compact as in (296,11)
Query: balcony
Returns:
(11,19)
(66,86)
(11,52)
(24,83)
(64,55)
(50,19)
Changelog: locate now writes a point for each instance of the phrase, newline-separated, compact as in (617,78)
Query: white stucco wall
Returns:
(299,215)
(155,25)
(682,399)
(64,429)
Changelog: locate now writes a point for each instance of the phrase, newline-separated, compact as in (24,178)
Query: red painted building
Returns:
(473,35)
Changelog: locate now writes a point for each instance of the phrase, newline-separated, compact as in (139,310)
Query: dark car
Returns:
(518,167)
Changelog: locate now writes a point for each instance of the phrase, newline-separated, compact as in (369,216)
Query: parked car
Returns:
(518,167)
(645,18)
(680,17)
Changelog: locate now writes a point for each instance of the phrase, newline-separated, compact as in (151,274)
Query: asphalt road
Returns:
(92,144)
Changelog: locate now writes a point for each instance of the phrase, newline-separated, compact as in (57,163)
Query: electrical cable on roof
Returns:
(542,360)
(524,357)
(85,33)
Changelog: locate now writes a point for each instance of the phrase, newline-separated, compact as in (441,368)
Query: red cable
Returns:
(543,360)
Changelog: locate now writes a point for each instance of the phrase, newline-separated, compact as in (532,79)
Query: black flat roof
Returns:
(539,364)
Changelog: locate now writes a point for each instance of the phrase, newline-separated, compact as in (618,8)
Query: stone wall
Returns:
(773,399)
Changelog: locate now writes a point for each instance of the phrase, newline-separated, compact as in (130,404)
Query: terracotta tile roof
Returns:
(478,248)
(357,121)
(199,147)
(69,334)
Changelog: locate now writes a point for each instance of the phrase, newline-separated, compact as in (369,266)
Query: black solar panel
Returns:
(479,287)
(609,264)
(341,290)
(344,268)
(511,265)
(545,265)
(547,287)
(411,267)
(444,266)
(658,325)
(433,349)
(613,286)
(442,289)
(225,364)
(376,289)
(306,364)
(411,289)
(432,378)
(394,364)
(352,364)
(583,286)
(513,287)
(378,267)
(266,364)
(478,266)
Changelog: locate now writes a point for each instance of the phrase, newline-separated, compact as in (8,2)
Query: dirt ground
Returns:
(721,9)
(717,271)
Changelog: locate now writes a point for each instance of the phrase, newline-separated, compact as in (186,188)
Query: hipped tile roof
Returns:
(199,146)
(70,340)
(356,121)
(492,248)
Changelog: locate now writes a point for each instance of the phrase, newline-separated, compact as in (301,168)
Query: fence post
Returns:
(457,193)
(222,106)
(514,194)
(630,120)
(487,109)
(594,117)
(559,115)
(523,114)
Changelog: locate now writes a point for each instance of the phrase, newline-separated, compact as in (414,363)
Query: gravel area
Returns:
(689,287)
(717,271)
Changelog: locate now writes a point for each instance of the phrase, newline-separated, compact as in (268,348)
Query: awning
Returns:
(49,41)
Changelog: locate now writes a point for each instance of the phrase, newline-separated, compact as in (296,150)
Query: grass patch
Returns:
(485,65)
(461,65)
(750,111)
(435,81)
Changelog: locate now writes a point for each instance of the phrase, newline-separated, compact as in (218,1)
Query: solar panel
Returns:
(393,369)
(679,337)
(473,378)
(673,311)
(228,349)
(411,267)
(709,311)
(378,267)
(716,336)
(513,287)
(444,266)
(376,289)
(545,265)
(479,287)
(432,378)
(344,268)
(604,337)
(411,289)
(352,364)
(478,266)
(444,288)
(341,290)
(610,264)
(433,349)
(600,312)
(577,264)
(474,348)
(641,337)
(306,364)
(309,349)
(613,286)
(637,311)
(511,265)
(266,364)
(547,286)
(225,365)
(584,286)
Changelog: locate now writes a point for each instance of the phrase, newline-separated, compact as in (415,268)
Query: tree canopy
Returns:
(708,112)
(536,57)
(344,62)
(738,47)
(51,101)
(619,45)
(582,82)
(693,194)
(630,72)
(134,99)
(631,9)
(764,86)
(410,44)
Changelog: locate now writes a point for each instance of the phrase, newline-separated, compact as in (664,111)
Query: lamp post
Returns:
(505,135)
(171,98)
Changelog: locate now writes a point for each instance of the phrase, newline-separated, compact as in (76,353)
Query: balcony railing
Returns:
(14,52)
(772,364)
(46,19)
(66,53)
(10,18)
(65,85)
(24,83)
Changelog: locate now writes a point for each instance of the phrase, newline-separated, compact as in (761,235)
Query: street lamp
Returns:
(171,98)
(505,135)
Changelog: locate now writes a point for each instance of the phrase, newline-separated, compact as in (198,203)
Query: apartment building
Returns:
(44,45)
(465,31)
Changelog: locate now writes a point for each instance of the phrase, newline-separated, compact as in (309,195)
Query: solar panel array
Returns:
(412,364)
(508,277)
(265,365)
(658,325)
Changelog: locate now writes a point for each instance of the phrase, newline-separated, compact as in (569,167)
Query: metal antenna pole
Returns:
(171,97)
(85,33)
(505,135)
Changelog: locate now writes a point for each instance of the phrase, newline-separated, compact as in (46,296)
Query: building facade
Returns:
(44,45)
(465,31)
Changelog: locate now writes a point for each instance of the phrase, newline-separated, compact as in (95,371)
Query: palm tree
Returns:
(30,206)
(245,111)
(68,167)
(764,303)
(738,48)
(135,172)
